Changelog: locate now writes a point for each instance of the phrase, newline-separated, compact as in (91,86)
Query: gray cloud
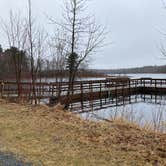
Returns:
(133,26)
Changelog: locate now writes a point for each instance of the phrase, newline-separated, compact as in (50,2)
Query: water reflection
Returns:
(144,110)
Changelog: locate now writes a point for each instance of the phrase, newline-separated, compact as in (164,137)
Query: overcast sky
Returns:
(134,27)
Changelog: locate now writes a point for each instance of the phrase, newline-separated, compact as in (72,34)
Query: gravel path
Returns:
(11,160)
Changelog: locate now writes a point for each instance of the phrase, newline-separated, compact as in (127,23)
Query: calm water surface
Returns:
(162,76)
(143,112)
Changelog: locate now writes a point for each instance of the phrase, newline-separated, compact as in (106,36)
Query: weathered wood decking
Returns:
(85,91)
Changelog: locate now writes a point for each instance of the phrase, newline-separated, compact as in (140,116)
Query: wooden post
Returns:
(123,95)
(52,90)
(144,83)
(116,95)
(101,95)
(155,98)
(109,92)
(43,89)
(90,97)
(30,94)
(155,83)
(2,88)
(130,91)
(136,98)
(8,91)
(59,90)
(105,94)
(82,94)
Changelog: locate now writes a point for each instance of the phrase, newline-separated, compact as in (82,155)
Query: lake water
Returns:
(132,76)
(157,76)
(143,112)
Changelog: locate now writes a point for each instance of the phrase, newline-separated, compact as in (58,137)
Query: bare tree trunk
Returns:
(33,77)
(84,37)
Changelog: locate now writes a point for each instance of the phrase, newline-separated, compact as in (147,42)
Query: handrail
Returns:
(54,88)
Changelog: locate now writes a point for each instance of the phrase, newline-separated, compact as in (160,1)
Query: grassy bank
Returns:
(53,137)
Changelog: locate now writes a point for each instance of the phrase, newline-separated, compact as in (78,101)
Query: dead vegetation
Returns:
(52,137)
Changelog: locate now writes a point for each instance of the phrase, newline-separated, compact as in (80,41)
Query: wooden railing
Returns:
(59,89)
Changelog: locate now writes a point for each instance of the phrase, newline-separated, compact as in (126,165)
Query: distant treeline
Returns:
(9,59)
(81,73)
(8,62)
(145,69)
(54,74)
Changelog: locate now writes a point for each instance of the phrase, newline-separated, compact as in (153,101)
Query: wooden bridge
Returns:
(86,94)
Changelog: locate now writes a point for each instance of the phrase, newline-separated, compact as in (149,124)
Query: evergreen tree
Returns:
(1,50)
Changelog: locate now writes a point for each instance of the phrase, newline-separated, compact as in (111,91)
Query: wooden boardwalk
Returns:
(85,91)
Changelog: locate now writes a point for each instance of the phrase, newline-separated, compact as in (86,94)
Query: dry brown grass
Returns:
(51,137)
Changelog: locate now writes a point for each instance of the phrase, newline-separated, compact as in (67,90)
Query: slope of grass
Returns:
(50,137)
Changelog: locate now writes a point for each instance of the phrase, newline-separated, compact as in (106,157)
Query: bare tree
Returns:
(40,51)
(36,49)
(31,49)
(58,52)
(83,34)
(16,31)
(58,58)
(162,45)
